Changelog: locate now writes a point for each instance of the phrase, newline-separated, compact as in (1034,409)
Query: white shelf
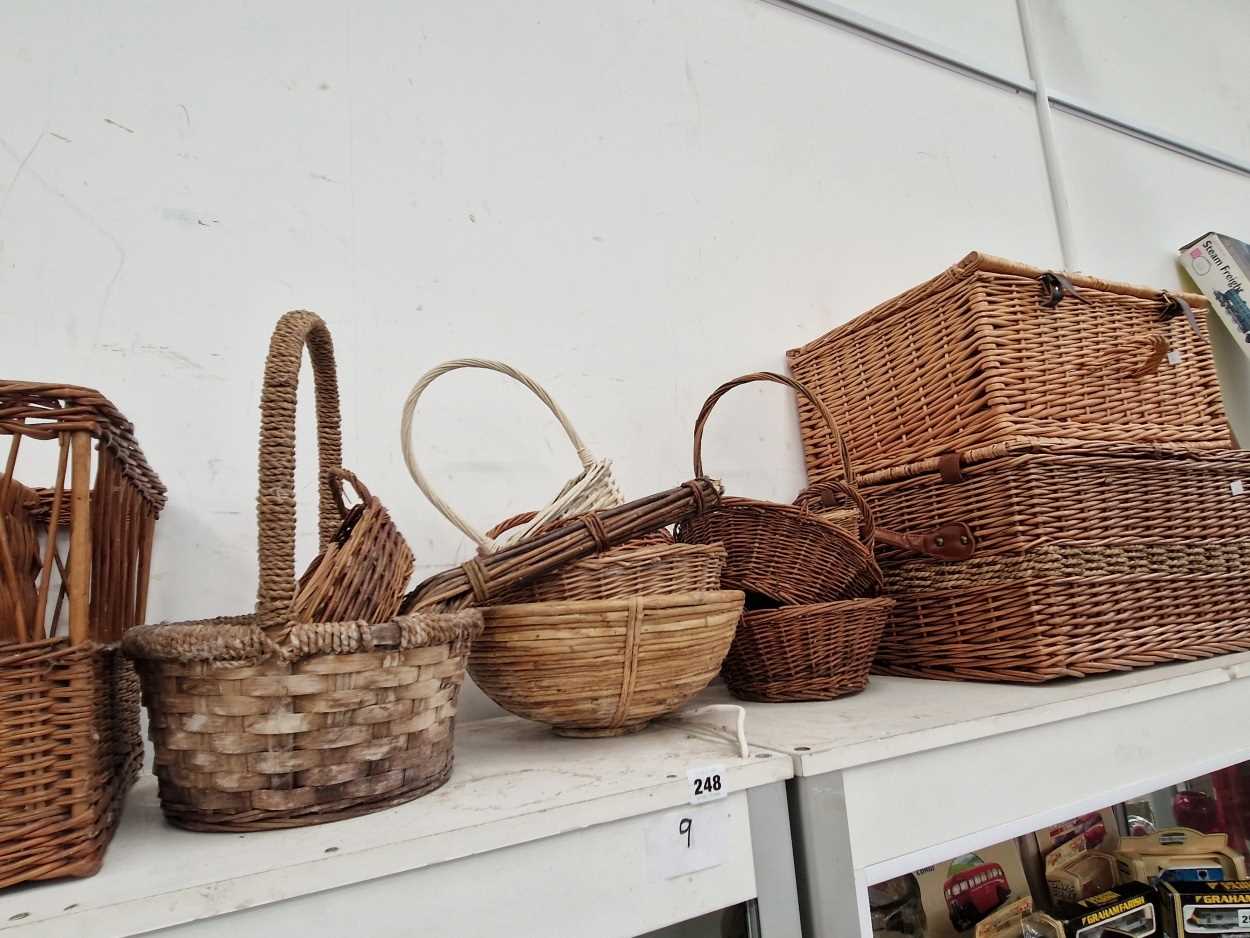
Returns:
(912,772)
(530,824)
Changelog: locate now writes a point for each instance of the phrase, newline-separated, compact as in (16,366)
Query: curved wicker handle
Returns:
(826,494)
(275,503)
(484,543)
(798,387)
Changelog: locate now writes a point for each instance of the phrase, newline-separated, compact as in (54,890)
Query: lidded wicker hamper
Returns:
(75,559)
(1092,558)
(324,704)
(992,349)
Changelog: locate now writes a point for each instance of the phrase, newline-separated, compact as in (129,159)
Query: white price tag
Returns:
(707,783)
(1243,918)
(686,841)
(1236,487)
(1175,357)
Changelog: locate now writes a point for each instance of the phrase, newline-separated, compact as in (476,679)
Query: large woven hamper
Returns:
(978,355)
(1091,557)
(75,559)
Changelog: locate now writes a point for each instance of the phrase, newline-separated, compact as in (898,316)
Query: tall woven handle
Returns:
(485,544)
(799,388)
(275,505)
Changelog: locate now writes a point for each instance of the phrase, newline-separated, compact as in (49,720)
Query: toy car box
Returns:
(1179,854)
(1210,908)
(1129,909)
(960,893)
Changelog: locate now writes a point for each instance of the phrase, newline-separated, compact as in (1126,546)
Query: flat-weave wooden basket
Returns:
(815,652)
(992,349)
(75,560)
(603,667)
(791,554)
(289,717)
(647,565)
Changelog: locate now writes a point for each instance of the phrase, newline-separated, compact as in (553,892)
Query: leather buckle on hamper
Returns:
(951,541)
(950,468)
(1174,306)
(1055,287)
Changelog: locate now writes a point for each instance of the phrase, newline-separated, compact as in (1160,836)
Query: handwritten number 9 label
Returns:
(707,783)
(679,843)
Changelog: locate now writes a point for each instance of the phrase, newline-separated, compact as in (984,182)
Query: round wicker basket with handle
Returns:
(814,652)
(593,488)
(603,667)
(324,704)
(791,554)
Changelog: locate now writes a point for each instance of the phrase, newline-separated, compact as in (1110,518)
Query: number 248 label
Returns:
(707,783)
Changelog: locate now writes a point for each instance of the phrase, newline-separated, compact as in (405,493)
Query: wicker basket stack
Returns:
(602,638)
(813,618)
(1075,426)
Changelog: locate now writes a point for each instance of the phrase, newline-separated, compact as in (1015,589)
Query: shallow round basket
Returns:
(815,652)
(603,667)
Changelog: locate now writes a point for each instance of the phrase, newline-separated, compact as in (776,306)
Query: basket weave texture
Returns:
(789,553)
(976,356)
(814,652)
(604,667)
(285,718)
(647,565)
(70,746)
(1093,559)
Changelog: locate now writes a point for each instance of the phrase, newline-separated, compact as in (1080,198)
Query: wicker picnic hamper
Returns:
(813,652)
(324,704)
(593,488)
(603,667)
(1028,493)
(647,565)
(70,746)
(1091,557)
(1067,611)
(788,553)
(991,349)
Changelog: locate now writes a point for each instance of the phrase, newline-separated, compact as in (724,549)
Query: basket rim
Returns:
(859,604)
(237,640)
(648,601)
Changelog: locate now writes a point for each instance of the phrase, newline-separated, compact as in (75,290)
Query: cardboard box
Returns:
(960,893)
(1179,853)
(1081,876)
(1130,909)
(1098,830)
(1192,908)
(1078,857)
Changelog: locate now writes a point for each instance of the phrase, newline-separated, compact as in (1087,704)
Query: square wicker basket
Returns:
(991,349)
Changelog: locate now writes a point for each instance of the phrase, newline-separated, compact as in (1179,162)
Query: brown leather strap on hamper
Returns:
(951,541)
(1055,286)
(275,502)
(1174,306)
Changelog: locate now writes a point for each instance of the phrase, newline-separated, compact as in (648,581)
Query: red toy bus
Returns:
(973,890)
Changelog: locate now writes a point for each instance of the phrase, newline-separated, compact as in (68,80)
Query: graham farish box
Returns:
(1197,908)
(1179,854)
(1127,910)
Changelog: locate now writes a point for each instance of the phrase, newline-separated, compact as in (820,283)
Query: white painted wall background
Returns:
(632,201)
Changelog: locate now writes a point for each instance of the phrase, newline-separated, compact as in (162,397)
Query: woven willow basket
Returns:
(817,652)
(290,717)
(605,667)
(1067,610)
(592,489)
(70,746)
(647,565)
(788,553)
(1028,493)
(991,349)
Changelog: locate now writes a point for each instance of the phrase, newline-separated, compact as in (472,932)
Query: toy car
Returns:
(973,889)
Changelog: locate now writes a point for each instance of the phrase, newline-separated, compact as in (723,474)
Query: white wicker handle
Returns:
(486,544)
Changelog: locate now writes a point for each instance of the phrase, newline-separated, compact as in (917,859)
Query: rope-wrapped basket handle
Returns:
(799,388)
(594,472)
(275,502)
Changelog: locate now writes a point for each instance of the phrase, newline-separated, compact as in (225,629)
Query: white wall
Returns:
(633,202)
